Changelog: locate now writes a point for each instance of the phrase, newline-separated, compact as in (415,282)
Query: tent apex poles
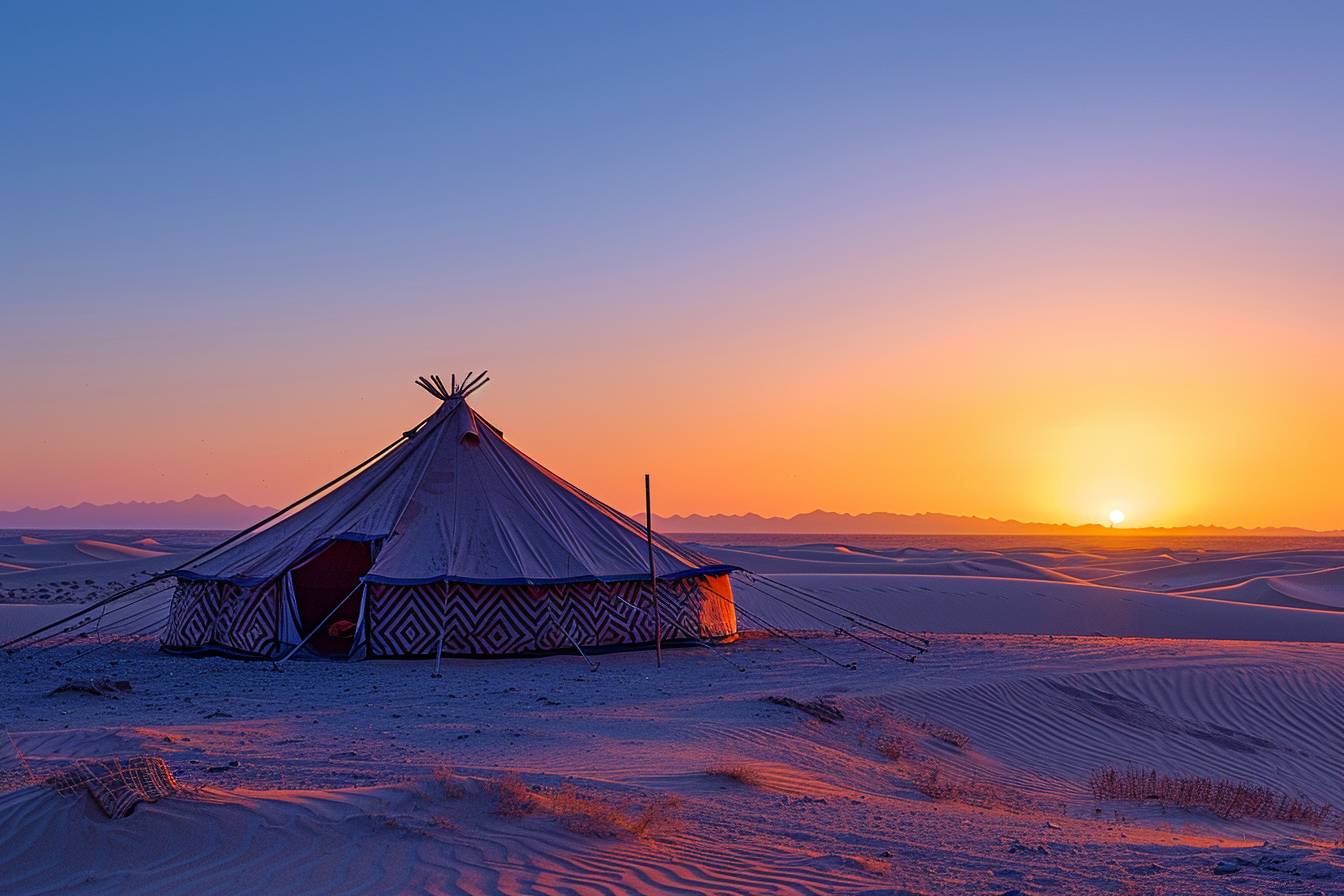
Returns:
(653,573)
(469,383)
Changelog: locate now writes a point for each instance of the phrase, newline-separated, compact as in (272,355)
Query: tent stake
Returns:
(653,574)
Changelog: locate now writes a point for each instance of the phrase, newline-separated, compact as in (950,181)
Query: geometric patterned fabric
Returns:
(403,621)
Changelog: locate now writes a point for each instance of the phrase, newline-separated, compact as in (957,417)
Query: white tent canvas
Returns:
(452,542)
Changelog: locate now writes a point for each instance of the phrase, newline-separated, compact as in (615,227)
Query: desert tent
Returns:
(453,542)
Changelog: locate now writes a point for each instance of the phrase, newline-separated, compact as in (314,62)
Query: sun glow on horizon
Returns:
(1117,517)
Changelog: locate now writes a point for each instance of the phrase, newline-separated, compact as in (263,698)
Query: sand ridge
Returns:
(965,772)
(334,769)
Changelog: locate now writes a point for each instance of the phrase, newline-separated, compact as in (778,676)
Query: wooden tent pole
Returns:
(443,631)
(653,574)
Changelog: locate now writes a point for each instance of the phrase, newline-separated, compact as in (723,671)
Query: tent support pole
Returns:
(443,632)
(703,643)
(546,602)
(653,573)
(317,628)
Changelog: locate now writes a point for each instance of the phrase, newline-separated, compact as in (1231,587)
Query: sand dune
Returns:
(841,559)
(1112,592)
(1322,588)
(963,772)
(106,550)
(331,790)
(1015,606)
(1212,573)
(405,838)
(76,568)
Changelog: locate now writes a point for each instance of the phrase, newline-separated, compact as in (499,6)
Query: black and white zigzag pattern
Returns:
(475,620)
(192,614)
(248,621)
(494,620)
(220,614)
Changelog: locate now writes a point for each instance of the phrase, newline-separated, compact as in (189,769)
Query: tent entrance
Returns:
(323,581)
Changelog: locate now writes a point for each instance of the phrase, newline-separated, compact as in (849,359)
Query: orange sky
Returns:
(886,259)
(1168,382)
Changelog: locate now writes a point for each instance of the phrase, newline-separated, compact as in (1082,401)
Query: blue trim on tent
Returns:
(719,570)
(253,581)
(244,581)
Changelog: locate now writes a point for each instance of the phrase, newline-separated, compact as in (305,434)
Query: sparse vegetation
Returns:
(871,865)
(891,748)
(1226,799)
(589,813)
(582,812)
(936,785)
(452,785)
(512,798)
(818,709)
(742,774)
(950,736)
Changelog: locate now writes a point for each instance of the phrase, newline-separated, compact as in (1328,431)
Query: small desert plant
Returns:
(588,813)
(1226,799)
(950,736)
(891,748)
(451,784)
(936,787)
(742,774)
(871,865)
(512,798)
(940,787)
(819,709)
(579,811)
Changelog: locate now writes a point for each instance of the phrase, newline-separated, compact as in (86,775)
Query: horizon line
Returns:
(1093,527)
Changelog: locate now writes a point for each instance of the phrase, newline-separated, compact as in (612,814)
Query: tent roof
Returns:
(456,502)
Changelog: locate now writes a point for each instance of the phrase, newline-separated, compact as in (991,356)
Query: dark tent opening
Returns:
(322,582)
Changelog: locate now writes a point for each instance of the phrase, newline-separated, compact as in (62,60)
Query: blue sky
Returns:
(252,202)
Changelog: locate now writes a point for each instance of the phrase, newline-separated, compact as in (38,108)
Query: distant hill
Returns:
(824,522)
(196,512)
(224,513)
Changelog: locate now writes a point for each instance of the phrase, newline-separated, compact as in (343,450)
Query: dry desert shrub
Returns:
(940,787)
(820,708)
(512,798)
(871,865)
(742,774)
(936,786)
(1226,799)
(452,785)
(589,813)
(950,736)
(580,811)
(892,748)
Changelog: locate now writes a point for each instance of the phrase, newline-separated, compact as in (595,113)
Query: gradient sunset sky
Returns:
(1027,260)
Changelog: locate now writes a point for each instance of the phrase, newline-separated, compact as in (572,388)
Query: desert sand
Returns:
(966,771)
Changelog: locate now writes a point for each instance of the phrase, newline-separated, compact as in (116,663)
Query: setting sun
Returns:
(1117,517)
